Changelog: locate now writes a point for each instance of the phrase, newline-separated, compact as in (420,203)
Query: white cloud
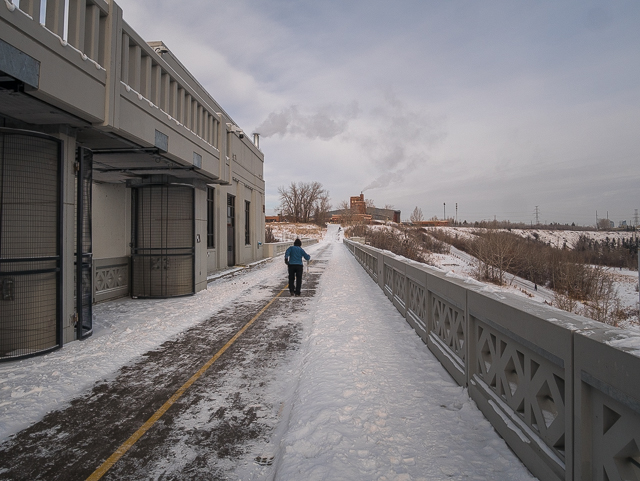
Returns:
(497,105)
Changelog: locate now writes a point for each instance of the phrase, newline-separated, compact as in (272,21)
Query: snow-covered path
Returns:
(361,398)
(373,403)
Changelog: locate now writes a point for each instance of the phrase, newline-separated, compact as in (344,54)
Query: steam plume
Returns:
(325,124)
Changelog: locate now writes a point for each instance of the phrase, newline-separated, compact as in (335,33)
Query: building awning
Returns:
(120,165)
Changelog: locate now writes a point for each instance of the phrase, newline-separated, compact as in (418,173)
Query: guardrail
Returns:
(273,249)
(562,390)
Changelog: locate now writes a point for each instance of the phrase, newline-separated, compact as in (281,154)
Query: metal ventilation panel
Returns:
(30,213)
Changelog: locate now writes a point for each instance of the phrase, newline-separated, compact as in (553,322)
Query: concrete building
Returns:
(108,143)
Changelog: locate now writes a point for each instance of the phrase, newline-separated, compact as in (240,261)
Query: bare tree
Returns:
(603,224)
(497,253)
(304,201)
(416,215)
(322,208)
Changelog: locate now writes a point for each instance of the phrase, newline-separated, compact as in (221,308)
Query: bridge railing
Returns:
(562,390)
(272,249)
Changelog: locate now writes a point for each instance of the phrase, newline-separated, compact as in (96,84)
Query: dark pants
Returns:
(295,271)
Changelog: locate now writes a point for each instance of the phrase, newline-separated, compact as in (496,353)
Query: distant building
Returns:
(359,212)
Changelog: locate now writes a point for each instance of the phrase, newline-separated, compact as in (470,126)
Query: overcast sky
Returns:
(498,106)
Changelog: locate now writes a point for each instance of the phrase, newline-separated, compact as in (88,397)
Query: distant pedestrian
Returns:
(535,286)
(293,258)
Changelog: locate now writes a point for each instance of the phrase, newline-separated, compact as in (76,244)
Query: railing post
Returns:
(146,66)
(156,85)
(173,99)
(165,93)
(135,59)
(92,33)
(187,111)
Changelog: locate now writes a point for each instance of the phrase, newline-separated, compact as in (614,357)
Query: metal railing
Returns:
(562,390)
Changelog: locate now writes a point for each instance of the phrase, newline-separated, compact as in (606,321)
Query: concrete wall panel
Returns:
(111,220)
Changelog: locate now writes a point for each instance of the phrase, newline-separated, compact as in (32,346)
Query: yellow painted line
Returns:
(113,459)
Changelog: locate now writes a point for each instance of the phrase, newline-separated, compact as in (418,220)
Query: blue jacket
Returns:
(295,255)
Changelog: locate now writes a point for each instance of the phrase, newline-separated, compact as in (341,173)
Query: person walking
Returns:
(293,258)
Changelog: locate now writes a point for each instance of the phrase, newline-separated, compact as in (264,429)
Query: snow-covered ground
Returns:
(556,238)
(626,283)
(123,330)
(462,264)
(366,399)
(285,231)
(373,403)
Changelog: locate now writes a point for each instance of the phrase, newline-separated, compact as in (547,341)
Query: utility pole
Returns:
(457,213)
(444,204)
(596,220)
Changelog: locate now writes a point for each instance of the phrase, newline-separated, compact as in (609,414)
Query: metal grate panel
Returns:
(163,252)
(29,243)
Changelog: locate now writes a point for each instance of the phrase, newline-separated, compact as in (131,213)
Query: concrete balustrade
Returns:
(273,249)
(562,390)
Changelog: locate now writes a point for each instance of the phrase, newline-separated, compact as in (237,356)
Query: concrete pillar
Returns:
(146,66)
(134,67)
(187,111)
(200,199)
(92,33)
(165,93)
(124,76)
(181,110)
(173,99)
(156,85)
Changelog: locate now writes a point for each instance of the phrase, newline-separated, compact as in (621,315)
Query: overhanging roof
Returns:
(120,165)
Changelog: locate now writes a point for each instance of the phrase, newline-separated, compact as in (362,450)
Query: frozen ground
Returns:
(285,231)
(556,238)
(365,399)
(626,281)
(373,403)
